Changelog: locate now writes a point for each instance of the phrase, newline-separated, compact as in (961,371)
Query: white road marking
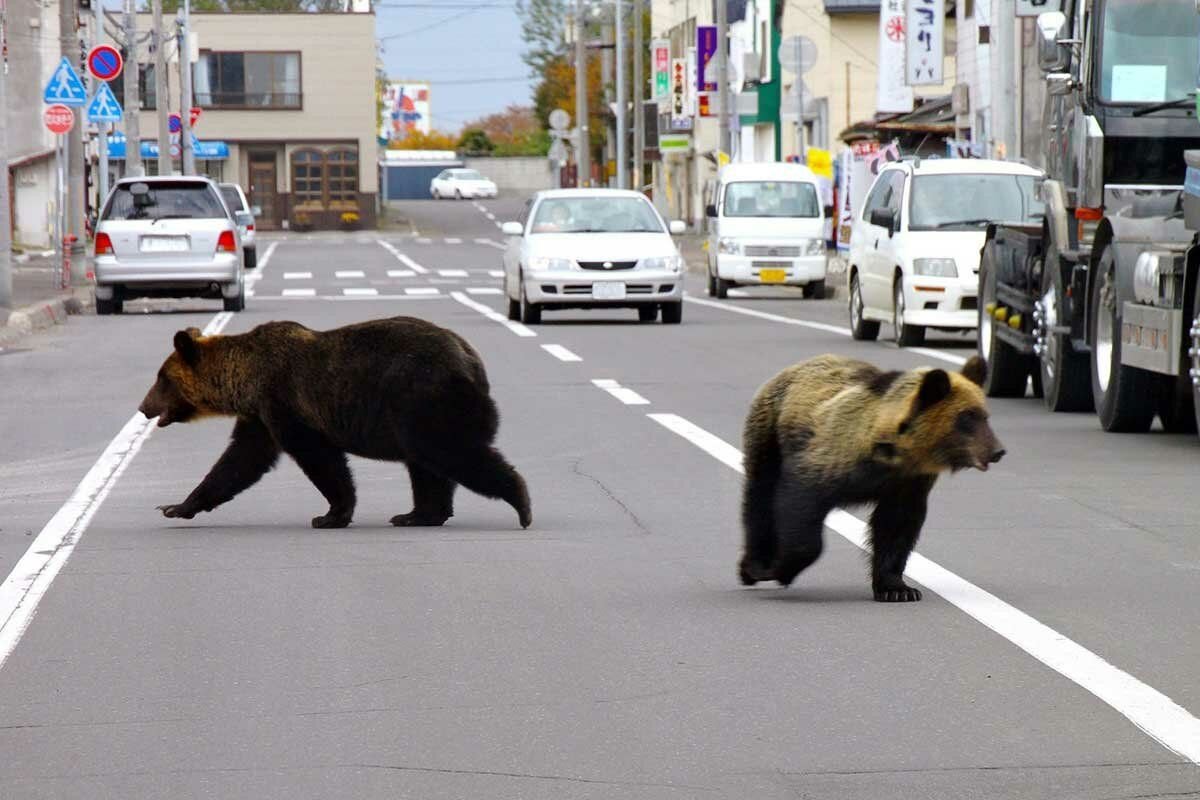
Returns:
(251,278)
(299,292)
(560,352)
(490,243)
(360,292)
(627,396)
(297,276)
(452,240)
(482,290)
(349,273)
(492,314)
(496,273)
(400,273)
(262,262)
(1157,715)
(491,216)
(405,260)
(424,240)
(452,273)
(422,290)
(950,357)
(29,580)
(388,297)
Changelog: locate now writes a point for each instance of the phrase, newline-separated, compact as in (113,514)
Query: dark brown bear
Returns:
(399,389)
(833,431)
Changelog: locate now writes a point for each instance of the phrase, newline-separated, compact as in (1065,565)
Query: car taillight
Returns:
(250,227)
(225,243)
(103,244)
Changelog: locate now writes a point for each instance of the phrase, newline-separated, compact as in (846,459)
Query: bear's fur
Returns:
(399,389)
(834,431)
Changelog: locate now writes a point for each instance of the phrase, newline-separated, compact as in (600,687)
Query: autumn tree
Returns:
(557,90)
(418,140)
(515,131)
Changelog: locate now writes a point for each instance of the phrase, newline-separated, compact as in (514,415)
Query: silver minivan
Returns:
(167,236)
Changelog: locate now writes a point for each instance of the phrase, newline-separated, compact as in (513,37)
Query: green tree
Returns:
(543,28)
(475,142)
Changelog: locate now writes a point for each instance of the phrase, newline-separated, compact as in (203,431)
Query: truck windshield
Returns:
(1149,50)
(771,199)
(942,202)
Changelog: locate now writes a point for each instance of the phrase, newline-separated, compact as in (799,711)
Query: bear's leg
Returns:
(895,525)
(758,516)
(799,527)
(484,471)
(325,465)
(433,499)
(251,453)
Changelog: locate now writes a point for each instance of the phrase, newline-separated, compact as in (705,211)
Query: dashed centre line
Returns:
(495,316)
(403,259)
(560,352)
(627,396)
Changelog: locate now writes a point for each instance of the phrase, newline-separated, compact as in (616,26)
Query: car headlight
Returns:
(668,263)
(935,267)
(814,247)
(730,247)
(541,263)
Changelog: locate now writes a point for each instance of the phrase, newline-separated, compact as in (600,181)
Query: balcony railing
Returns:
(249,100)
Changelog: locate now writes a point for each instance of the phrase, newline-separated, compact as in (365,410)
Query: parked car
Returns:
(766,225)
(593,248)
(460,183)
(914,246)
(167,236)
(244,214)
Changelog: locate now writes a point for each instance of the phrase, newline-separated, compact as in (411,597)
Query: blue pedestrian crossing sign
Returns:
(104,106)
(65,87)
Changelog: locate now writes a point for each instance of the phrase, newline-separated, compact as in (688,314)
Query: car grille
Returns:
(969,304)
(611,265)
(772,265)
(630,288)
(777,251)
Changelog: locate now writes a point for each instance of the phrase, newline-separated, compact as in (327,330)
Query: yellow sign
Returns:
(820,162)
(722,158)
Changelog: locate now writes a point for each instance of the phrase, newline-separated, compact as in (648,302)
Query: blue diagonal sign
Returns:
(65,87)
(104,106)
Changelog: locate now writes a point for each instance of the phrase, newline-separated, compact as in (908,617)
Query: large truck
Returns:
(1099,308)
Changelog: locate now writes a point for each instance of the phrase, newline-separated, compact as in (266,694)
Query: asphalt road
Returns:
(607,651)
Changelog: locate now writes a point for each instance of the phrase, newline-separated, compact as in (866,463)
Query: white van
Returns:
(766,225)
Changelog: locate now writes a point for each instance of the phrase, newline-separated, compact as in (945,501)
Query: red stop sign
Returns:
(58,118)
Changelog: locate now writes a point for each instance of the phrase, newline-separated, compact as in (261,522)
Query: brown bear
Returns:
(399,389)
(834,431)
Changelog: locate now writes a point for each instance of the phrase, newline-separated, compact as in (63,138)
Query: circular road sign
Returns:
(58,118)
(797,54)
(174,151)
(559,119)
(104,61)
(174,123)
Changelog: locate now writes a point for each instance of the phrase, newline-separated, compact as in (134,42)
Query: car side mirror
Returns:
(512,229)
(677,227)
(884,218)
(1054,54)
(256,211)
(244,218)
(710,210)
(1059,83)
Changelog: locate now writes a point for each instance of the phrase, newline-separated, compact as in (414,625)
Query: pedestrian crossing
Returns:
(377,281)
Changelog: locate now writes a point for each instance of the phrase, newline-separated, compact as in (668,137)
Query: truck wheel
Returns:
(1008,370)
(1175,404)
(906,335)
(712,283)
(863,330)
(815,290)
(1124,395)
(1064,372)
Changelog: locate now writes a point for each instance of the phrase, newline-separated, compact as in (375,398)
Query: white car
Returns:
(244,214)
(593,248)
(914,246)
(460,183)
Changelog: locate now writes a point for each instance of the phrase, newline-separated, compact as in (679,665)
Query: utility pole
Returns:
(723,93)
(161,99)
(639,97)
(73,194)
(1004,125)
(101,127)
(6,286)
(133,106)
(622,158)
(583,148)
(185,92)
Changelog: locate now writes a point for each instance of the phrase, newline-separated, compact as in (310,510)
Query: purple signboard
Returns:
(706,48)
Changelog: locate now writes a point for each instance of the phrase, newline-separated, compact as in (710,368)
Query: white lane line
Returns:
(491,216)
(299,292)
(405,260)
(297,276)
(950,357)
(262,262)
(1154,713)
(400,273)
(482,290)
(490,243)
(496,273)
(251,278)
(360,292)
(422,290)
(627,396)
(492,314)
(349,273)
(452,273)
(29,580)
(560,352)
(452,240)
(424,240)
(388,297)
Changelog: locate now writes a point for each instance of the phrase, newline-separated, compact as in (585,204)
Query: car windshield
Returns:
(467,175)
(771,199)
(1148,50)
(971,201)
(232,198)
(165,200)
(595,215)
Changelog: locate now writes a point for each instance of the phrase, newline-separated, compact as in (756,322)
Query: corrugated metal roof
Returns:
(851,6)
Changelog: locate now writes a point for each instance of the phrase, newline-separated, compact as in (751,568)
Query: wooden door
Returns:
(263,191)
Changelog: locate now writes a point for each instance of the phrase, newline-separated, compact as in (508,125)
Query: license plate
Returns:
(164,244)
(610,290)
(772,275)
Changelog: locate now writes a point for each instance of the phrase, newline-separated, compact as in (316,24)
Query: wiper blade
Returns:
(1179,103)
(952,223)
(170,216)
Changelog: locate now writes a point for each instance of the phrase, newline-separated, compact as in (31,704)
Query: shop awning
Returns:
(206,151)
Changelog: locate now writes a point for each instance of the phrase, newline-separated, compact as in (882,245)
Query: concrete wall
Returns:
(515,174)
(33,184)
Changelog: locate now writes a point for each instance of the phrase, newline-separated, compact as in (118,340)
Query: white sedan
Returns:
(460,183)
(593,248)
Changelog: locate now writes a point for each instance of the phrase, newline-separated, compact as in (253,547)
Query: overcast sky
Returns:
(470,56)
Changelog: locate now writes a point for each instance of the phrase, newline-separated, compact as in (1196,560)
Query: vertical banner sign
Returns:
(678,88)
(1031,8)
(706,48)
(661,52)
(894,95)
(854,179)
(923,48)
(690,106)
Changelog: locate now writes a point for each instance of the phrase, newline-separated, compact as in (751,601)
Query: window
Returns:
(876,199)
(146,87)
(247,80)
(596,215)
(341,171)
(307,166)
(325,179)
(771,199)
(969,202)
(1148,50)
(165,200)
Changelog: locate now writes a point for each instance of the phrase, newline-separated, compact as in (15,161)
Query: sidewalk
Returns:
(37,302)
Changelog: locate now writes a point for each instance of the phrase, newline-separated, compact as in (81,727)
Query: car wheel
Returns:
(105,307)
(458,194)
(647,313)
(1123,394)
(815,290)
(1064,372)
(236,303)
(711,288)
(1007,369)
(514,310)
(722,287)
(250,256)
(531,313)
(672,313)
(861,329)
(906,335)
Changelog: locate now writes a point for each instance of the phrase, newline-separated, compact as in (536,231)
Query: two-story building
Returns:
(288,111)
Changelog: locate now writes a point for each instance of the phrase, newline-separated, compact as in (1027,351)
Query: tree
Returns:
(475,142)
(417,140)
(543,28)
(515,131)
(557,90)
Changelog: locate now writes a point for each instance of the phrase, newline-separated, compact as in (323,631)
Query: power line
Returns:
(440,22)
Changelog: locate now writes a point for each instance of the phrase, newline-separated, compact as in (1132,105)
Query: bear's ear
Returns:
(185,345)
(935,387)
(975,370)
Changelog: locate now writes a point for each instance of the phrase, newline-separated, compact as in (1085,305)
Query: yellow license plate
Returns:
(772,275)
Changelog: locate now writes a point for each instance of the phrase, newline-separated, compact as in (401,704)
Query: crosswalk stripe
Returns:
(482,290)
(400,273)
(422,290)
(360,292)
(348,273)
(452,273)
(297,276)
(299,292)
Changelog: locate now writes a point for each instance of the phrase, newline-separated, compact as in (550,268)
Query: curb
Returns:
(44,314)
